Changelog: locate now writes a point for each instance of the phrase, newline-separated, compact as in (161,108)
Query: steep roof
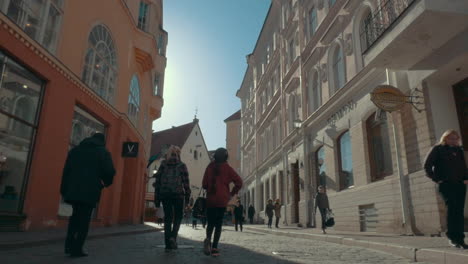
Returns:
(235,116)
(172,136)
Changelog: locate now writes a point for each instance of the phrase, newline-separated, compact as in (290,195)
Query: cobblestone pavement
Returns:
(235,247)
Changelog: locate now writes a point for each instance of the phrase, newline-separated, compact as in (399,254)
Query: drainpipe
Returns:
(407,222)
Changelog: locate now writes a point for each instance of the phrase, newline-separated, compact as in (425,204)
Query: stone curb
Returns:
(55,240)
(412,253)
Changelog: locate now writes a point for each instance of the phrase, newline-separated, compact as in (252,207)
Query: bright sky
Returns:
(206,61)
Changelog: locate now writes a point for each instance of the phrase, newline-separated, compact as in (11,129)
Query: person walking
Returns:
(160,215)
(251,213)
(88,169)
(445,165)
(321,202)
(277,212)
(218,175)
(172,189)
(239,214)
(269,212)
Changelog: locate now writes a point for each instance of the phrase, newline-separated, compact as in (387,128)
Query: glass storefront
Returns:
(20,97)
(83,126)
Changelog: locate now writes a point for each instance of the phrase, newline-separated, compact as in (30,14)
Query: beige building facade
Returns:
(233,136)
(307,117)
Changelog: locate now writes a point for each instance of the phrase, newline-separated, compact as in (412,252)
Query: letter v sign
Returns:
(130,149)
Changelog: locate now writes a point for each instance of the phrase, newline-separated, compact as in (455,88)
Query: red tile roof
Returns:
(235,116)
(172,136)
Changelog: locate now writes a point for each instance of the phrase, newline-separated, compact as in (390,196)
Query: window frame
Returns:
(341,174)
(372,123)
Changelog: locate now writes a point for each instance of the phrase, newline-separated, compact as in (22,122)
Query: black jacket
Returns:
(269,210)
(251,211)
(239,211)
(87,171)
(446,164)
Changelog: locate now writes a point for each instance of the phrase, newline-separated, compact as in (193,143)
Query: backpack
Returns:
(171,184)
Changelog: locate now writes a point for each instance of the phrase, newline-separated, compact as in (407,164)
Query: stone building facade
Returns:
(307,117)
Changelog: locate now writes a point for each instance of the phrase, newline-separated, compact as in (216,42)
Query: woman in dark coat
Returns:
(269,212)
(239,214)
(445,165)
(321,202)
(218,176)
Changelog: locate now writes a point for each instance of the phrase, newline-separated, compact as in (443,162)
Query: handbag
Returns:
(329,218)
(199,207)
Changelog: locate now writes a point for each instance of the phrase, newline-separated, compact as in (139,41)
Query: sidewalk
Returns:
(417,248)
(12,240)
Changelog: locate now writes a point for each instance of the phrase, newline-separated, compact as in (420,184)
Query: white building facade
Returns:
(307,117)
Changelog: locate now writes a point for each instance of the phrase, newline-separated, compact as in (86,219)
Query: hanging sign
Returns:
(388,98)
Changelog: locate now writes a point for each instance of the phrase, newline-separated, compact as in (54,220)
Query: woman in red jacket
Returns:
(218,176)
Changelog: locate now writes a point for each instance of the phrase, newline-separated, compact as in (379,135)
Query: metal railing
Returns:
(378,22)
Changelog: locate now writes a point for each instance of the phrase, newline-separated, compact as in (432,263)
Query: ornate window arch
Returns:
(361,28)
(134,99)
(100,66)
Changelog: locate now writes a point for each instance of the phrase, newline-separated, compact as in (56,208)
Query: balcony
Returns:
(401,33)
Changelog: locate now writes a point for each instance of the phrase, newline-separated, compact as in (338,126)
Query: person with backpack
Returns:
(239,215)
(172,189)
(218,176)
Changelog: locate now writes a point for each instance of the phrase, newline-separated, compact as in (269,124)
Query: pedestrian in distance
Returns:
(251,213)
(445,165)
(269,212)
(321,202)
(277,212)
(194,219)
(88,169)
(172,190)
(218,175)
(239,215)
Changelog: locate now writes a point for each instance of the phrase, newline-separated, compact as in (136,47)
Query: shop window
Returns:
(20,97)
(100,67)
(345,161)
(378,142)
(321,167)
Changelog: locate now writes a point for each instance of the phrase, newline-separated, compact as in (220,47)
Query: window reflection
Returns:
(20,95)
(346,161)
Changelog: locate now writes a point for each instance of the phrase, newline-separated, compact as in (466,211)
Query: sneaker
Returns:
(453,244)
(207,247)
(214,252)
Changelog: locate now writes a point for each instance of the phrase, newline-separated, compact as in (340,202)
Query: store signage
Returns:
(345,109)
(130,149)
(388,98)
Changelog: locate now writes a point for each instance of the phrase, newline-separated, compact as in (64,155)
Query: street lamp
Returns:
(297,123)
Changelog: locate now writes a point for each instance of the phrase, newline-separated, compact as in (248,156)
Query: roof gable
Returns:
(172,136)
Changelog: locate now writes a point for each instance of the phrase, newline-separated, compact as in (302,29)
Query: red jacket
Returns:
(222,195)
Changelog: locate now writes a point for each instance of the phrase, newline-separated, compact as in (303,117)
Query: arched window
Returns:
(100,67)
(134,99)
(195,154)
(379,147)
(346,161)
(321,167)
(337,69)
(314,92)
(365,29)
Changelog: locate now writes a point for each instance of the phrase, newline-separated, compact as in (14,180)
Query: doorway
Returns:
(296,194)
(460,91)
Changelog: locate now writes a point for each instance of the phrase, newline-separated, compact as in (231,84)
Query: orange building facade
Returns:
(69,69)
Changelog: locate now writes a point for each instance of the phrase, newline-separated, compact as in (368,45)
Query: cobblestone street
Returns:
(236,247)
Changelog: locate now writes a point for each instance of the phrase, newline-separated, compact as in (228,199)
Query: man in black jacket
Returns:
(87,171)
